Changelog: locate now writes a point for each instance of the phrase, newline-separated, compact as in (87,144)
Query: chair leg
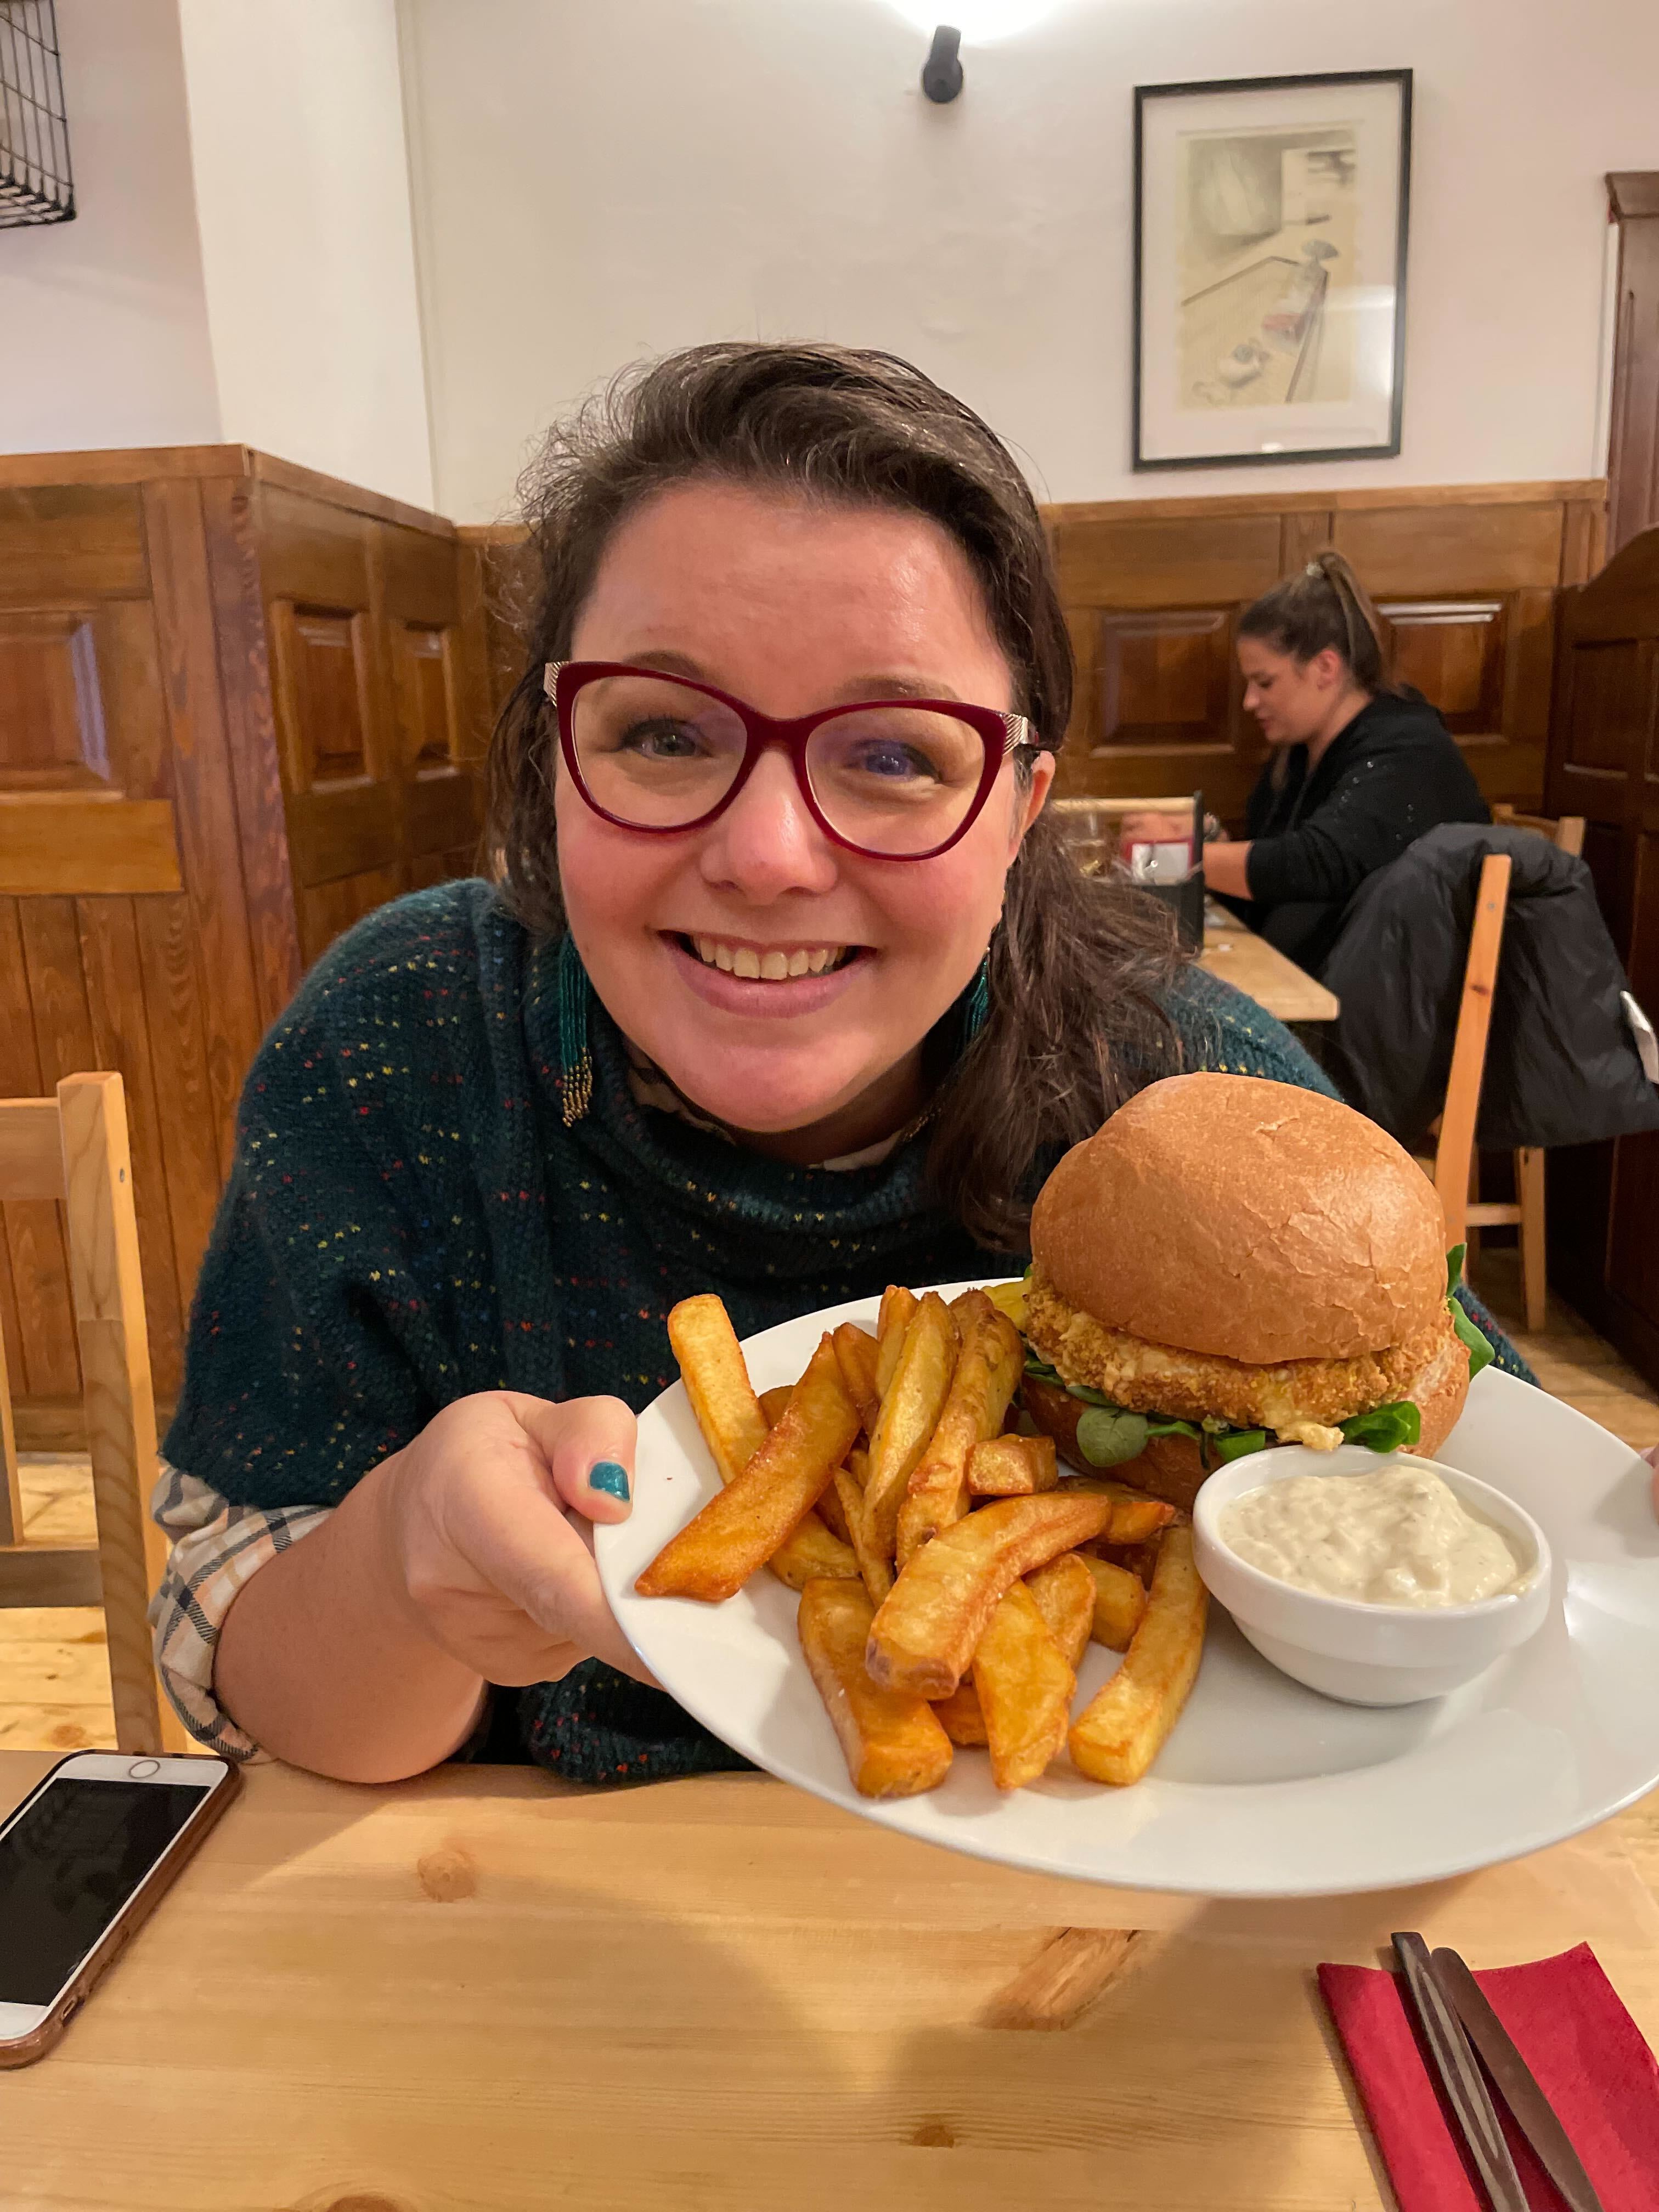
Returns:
(1529,1195)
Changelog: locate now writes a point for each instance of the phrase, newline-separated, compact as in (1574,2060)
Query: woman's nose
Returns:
(766,842)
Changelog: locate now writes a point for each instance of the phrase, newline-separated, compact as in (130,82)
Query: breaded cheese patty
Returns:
(1295,1397)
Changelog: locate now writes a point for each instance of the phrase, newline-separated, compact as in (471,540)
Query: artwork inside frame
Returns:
(1270,269)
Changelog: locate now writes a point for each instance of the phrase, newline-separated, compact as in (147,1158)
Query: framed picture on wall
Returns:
(1270,269)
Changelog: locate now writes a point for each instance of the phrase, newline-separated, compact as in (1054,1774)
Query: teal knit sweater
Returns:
(419,1210)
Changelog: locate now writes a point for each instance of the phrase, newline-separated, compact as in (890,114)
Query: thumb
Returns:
(587,1446)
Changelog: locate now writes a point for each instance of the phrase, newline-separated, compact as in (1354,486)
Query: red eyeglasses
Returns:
(894,779)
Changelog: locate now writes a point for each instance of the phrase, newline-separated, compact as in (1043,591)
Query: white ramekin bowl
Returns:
(1365,1654)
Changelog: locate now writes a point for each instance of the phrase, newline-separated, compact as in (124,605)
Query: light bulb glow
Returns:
(980,21)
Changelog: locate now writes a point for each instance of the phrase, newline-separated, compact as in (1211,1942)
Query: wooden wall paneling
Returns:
(34,1302)
(189,1121)
(1443,552)
(1303,534)
(204,795)
(122,1027)
(251,731)
(63,544)
(328,909)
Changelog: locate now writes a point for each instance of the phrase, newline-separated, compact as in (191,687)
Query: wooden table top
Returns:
(1250,964)
(485,1989)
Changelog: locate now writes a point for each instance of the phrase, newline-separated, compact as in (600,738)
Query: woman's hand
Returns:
(483,1517)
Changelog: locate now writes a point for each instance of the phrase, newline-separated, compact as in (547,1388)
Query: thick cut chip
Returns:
(910,1409)
(893,1744)
(1065,1594)
(744,1524)
(1135,1516)
(716,1379)
(924,1635)
(1025,1684)
(987,1374)
(898,1308)
(856,1350)
(735,1423)
(831,1512)
(872,1563)
(1120,1600)
(1013,1467)
(959,1715)
(1123,1728)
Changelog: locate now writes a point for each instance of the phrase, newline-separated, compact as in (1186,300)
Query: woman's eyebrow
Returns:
(859,689)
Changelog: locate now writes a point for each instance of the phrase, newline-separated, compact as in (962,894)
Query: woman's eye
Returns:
(891,759)
(660,739)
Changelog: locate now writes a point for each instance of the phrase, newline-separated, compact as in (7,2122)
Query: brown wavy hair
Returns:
(1078,967)
(1323,606)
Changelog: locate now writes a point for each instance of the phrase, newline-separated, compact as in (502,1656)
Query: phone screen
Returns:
(67,1866)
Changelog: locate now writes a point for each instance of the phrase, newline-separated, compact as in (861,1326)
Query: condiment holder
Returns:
(1359,1652)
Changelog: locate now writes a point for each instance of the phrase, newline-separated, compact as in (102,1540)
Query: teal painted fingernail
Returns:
(606,1475)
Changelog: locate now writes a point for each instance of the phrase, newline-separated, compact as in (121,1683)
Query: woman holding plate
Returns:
(783,986)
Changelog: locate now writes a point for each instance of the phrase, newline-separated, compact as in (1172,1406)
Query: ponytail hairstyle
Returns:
(1078,967)
(1324,605)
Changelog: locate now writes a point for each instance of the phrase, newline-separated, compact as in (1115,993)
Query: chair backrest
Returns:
(74,1148)
(1455,1149)
(1565,832)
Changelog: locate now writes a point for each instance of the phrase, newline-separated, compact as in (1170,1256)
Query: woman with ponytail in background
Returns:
(1360,767)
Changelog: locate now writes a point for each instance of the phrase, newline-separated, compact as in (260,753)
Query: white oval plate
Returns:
(1264,1788)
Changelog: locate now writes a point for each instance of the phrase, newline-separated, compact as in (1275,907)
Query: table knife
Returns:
(1460,2077)
(1534,2114)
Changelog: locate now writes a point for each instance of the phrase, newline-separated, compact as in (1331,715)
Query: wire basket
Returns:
(36,182)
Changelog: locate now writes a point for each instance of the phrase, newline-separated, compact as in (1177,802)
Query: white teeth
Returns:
(773,966)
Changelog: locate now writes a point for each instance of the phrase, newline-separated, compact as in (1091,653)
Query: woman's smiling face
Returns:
(790,605)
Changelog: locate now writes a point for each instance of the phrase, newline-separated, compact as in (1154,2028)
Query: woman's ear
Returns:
(1030,801)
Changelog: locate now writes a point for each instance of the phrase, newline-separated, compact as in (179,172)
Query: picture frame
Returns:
(1271,219)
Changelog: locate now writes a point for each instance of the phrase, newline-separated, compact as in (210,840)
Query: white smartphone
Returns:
(83,1862)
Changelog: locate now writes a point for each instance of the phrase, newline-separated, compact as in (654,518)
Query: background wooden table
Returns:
(485,1989)
(1250,964)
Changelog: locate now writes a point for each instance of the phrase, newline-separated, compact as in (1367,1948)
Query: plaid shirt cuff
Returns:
(216,1548)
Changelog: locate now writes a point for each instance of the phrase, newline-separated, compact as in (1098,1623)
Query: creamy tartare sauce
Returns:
(1400,1536)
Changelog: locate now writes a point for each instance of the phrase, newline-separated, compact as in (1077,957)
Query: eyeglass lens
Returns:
(893,778)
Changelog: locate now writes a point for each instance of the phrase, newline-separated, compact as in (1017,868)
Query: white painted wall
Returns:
(103,321)
(599,178)
(302,196)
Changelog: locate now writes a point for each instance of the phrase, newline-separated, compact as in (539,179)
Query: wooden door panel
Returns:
(71,543)
(1131,561)
(35,1312)
(1455,653)
(345,831)
(424,684)
(418,577)
(52,718)
(1164,678)
(441,812)
(310,551)
(1445,549)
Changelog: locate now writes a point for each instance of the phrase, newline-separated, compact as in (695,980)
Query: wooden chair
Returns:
(1565,833)
(74,1147)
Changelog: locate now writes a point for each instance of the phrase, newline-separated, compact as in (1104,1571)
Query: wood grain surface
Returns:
(1250,964)
(486,1989)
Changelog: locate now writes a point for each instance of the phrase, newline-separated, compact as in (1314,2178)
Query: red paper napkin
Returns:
(1585,2049)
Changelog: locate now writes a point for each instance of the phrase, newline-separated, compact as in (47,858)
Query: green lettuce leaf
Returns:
(1107,1437)
(1237,1442)
(1480,1352)
(1386,1428)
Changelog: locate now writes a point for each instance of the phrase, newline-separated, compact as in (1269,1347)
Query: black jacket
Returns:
(1562,1067)
(1395,772)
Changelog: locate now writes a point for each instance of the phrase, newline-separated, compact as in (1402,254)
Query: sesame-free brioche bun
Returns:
(1222,1214)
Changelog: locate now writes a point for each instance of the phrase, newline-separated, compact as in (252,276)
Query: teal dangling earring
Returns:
(575,1057)
(976,1006)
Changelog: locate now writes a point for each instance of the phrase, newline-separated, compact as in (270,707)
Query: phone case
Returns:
(24,2050)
